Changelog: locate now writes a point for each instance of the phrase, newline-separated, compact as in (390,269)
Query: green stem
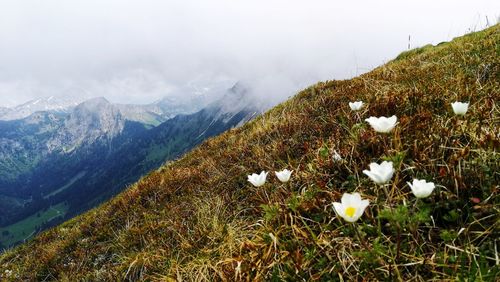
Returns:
(359,237)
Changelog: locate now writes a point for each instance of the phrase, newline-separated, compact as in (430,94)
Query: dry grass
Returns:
(198,219)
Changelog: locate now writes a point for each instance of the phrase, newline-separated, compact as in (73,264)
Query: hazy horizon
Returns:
(136,52)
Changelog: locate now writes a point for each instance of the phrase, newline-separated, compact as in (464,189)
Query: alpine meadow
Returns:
(409,198)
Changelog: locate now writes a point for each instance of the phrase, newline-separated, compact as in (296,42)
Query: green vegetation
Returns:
(199,219)
(413,52)
(26,228)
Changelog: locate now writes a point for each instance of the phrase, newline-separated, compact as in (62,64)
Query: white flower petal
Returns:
(372,176)
(348,199)
(339,209)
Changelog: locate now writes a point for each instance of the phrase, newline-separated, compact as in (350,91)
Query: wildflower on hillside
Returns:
(8,272)
(382,124)
(351,207)
(460,108)
(380,173)
(421,188)
(283,175)
(258,180)
(356,106)
(336,157)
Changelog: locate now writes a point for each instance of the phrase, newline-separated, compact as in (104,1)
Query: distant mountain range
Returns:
(53,104)
(77,155)
(153,113)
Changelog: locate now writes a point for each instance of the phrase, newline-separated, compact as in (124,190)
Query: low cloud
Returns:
(140,51)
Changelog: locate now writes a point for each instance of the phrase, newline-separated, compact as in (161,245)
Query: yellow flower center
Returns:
(350,211)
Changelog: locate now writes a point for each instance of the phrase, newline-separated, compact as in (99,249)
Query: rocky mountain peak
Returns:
(91,120)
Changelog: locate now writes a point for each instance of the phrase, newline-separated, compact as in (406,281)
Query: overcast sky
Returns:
(139,51)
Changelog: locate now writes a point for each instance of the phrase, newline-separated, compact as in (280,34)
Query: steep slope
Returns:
(199,219)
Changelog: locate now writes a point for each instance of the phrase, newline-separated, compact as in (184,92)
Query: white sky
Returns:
(139,51)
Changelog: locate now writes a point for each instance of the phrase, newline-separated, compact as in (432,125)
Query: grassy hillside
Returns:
(199,219)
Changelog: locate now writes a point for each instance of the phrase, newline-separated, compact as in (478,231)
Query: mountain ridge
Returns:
(152,113)
(51,103)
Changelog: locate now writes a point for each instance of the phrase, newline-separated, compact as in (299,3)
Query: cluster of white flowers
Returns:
(459,108)
(258,180)
(352,206)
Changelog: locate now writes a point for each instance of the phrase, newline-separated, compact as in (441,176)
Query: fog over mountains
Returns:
(155,112)
(137,52)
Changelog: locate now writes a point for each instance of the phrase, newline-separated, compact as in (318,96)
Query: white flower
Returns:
(336,157)
(258,180)
(356,106)
(460,108)
(380,173)
(421,188)
(382,124)
(283,175)
(351,207)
